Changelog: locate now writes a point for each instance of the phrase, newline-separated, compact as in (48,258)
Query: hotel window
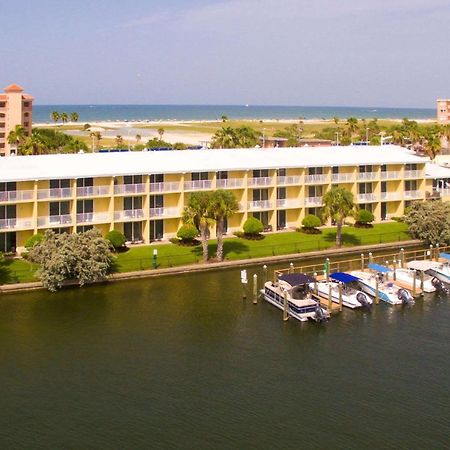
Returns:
(281,193)
(199,176)
(315,191)
(61,230)
(222,175)
(157,178)
(410,185)
(132,179)
(383,211)
(263,216)
(315,212)
(132,231)
(84,228)
(56,209)
(85,206)
(383,168)
(410,166)
(8,212)
(26,104)
(59,184)
(383,186)
(281,219)
(130,203)
(335,170)
(282,172)
(156,230)
(85,182)
(365,169)
(8,187)
(261,173)
(365,188)
(366,206)
(7,242)
(156,201)
(315,171)
(260,194)
(2,104)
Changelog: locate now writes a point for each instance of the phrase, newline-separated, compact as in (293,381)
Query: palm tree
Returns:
(352,125)
(17,136)
(74,117)
(223,204)
(95,137)
(336,120)
(225,138)
(161,133)
(224,118)
(138,139)
(197,212)
(55,116)
(119,141)
(33,145)
(338,204)
(64,117)
(433,145)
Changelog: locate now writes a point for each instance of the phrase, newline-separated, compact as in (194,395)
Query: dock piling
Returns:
(285,307)
(362,261)
(377,292)
(244,282)
(402,257)
(431,252)
(414,290)
(264,274)
(291,268)
(421,280)
(330,298)
(316,289)
(394,263)
(437,251)
(340,297)
(327,269)
(255,289)
(370,258)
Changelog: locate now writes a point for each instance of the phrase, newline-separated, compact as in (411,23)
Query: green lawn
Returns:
(17,270)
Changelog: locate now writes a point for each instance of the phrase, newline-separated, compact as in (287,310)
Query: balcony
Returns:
(285,181)
(412,174)
(93,218)
(390,175)
(313,201)
(54,221)
(16,196)
(367,197)
(391,196)
(94,191)
(129,189)
(259,204)
(198,185)
(443,192)
(16,224)
(413,195)
(260,181)
(44,194)
(230,183)
(165,212)
(342,177)
(316,179)
(286,204)
(129,214)
(165,187)
(364,176)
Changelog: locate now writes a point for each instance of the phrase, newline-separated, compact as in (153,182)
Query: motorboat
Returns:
(433,269)
(407,276)
(348,285)
(439,270)
(294,288)
(388,291)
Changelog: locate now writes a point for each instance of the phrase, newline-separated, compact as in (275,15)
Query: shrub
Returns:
(253,227)
(311,221)
(364,218)
(187,233)
(116,238)
(33,240)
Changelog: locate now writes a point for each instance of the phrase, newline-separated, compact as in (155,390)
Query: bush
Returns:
(311,221)
(364,218)
(33,240)
(187,233)
(253,227)
(116,239)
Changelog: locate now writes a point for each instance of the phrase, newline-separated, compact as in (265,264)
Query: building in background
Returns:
(443,111)
(15,109)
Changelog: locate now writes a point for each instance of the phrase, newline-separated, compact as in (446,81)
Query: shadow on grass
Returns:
(347,239)
(8,275)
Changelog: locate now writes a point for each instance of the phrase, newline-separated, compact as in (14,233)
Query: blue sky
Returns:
(279,52)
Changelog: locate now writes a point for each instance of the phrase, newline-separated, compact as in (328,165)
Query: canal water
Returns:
(185,363)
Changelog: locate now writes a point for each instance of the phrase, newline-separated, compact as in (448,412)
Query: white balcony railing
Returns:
(93,191)
(16,196)
(171,186)
(54,193)
(136,188)
(313,201)
(316,179)
(412,174)
(367,175)
(129,214)
(93,218)
(260,181)
(164,212)
(342,177)
(390,175)
(197,185)
(444,192)
(284,203)
(288,180)
(230,183)
(14,224)
(260,204)
(367,198)
(386,196)
(64,219)
(414,194)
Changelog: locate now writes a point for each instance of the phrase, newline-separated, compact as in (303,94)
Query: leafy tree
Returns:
(253,227)
(74,117)
(83,257)
(429,221)
(197,212)
(55,116)
(86,126)
(310,223)
(17,136)
(292,133)
(33,145)
(187,233)
(179,146)
(116,239)
(364,218)
(241,137)
(158,143)
(223,204)
(224,118)
(34,240)
(338,204)
(44,140)
(336,120)
(64,117)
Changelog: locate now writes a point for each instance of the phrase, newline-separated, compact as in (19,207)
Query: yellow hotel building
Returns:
(142,194)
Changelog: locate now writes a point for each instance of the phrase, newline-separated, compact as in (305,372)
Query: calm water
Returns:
(41,113)
(185,363)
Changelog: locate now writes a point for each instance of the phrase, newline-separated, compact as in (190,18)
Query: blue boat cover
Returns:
(445,255)
(295,279)
(378,268)
(343,277)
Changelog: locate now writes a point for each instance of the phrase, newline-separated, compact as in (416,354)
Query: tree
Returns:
(197,212)
(338,204)
(433,144)
(310,224)
(74,117)
(253,227)
(157,143)
(224,118)
(187,233)
(429,221)
(33,145)
(34,240)
(64,117)
(364,218)
(352,126)
(119,141)
(84,257)
(223,204)
(55,116)
(96,138)
(336,120)
(225,137)
(86,126)
(116,239)
(17,136)
(292,133)
(161,133)
(138,139)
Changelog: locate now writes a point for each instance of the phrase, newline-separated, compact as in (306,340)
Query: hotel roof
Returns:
(436,171)
(13,88)
(21,168)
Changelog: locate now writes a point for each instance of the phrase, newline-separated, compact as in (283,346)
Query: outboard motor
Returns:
(439,285)
(362,298)
(405,297)
(320,314)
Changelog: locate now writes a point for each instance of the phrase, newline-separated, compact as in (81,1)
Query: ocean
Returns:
(90,113)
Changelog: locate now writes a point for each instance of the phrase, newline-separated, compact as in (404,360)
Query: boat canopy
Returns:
(295,279)
(343,277)
(378,268)
(445,255)
(422,265)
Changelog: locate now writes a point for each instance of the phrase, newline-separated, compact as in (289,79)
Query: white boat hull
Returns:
(349,301)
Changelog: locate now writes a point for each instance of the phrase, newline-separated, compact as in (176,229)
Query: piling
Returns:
(244,283)
(285,307)
(341,303)
(316,289)
(370,258)
(431,252)
(255,289)
(387,273)
(394,263)
(362,261)
(437,252)
(421,280)
(291,268)
(414,290)
(327,269)
(402,257)
(264,274)
(377,292)
(330,298)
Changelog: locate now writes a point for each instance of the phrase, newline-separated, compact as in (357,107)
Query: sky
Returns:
(391,53)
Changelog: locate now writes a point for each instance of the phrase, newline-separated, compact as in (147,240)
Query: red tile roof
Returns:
(13,88)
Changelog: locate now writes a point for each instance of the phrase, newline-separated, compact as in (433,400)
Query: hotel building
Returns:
(142,194)
(15,109)
(443,111)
